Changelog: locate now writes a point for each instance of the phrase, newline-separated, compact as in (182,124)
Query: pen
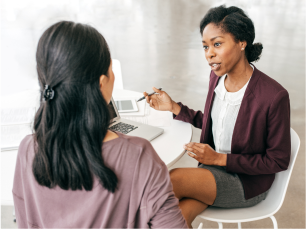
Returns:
(148,95)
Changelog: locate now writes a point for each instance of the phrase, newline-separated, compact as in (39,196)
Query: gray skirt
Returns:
(230,191)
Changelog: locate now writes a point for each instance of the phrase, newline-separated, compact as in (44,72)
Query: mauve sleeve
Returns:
(186,114)
(162,208)
(18,197)
(277,155)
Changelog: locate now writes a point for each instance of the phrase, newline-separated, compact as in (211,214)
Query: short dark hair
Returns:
(233,20)
(69,129)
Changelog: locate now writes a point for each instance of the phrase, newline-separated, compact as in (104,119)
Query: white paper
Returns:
(16,123)
(13,116)
(12,135)
(153,118)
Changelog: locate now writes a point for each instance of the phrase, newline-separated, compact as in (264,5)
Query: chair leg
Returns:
(14,216)
(239,225)
(220,225)
(200,226)
(274,222)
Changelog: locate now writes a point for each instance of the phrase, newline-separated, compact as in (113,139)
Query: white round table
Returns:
(169,145)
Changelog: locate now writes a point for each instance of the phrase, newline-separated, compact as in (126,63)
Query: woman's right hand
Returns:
(162,101)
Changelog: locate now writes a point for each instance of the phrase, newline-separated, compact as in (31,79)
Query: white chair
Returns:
(118,74)
(266,208)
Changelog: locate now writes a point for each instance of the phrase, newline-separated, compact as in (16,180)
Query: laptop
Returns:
(130,127)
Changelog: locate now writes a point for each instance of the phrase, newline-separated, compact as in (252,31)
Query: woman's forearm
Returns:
(222,159)
(175,108)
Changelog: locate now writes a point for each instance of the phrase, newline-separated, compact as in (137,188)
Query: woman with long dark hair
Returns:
(73,171)
(245,126)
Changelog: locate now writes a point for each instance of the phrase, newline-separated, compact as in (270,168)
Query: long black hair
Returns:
(234,20)
(69,129)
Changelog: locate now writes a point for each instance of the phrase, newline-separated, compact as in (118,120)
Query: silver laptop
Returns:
(130,127)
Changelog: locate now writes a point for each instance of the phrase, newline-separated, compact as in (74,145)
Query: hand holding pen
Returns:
(159,100)
(142,98)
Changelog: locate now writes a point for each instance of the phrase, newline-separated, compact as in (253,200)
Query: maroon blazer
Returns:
(261,144)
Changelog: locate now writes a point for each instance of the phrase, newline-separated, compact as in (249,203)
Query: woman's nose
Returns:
(210,53)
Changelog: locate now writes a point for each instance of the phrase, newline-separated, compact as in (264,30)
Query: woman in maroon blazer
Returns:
(245,126)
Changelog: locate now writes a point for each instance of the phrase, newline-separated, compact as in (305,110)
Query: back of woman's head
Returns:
(69,128)
(233,20)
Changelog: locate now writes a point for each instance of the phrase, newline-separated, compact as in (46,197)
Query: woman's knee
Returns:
(173,175)
(194,183)
(176,180)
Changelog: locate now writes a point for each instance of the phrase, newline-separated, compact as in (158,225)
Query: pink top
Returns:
(144,197)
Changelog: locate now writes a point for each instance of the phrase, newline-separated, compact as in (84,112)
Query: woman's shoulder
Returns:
(137,145)
(133,141)
(266,90)
(27,144)
(268,83)
(26,149)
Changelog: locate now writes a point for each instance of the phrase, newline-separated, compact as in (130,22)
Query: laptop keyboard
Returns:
(123,127)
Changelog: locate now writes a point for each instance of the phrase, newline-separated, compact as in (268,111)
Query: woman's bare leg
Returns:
(190,209)
(195,188)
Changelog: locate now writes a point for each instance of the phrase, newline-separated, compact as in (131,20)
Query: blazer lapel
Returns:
(208,106)
(241,126)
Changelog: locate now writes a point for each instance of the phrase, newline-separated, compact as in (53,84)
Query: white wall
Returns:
(24,21)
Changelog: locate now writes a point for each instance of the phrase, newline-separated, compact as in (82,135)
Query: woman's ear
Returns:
(243,44)
(103,81)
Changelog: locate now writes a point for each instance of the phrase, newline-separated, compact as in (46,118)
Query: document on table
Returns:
(12,135)
(153,118)
(14,116)
(16,123)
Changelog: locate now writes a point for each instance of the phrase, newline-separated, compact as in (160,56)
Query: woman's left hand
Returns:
(204,154)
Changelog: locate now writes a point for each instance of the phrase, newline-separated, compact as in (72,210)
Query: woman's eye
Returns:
(205,47)
(217,44)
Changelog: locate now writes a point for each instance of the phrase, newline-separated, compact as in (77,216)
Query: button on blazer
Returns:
(261,144)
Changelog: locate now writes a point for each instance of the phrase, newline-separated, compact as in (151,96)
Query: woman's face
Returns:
(107,84)
(221,50)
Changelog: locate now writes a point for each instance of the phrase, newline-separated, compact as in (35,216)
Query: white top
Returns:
(224,113)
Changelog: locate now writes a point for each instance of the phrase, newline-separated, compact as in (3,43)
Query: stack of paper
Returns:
(153,117)
(14,116)
(16,123)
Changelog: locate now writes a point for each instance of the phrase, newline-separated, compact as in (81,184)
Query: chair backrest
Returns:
(276,195)
(118,74)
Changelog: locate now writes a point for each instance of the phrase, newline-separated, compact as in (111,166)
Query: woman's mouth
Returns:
(215,66)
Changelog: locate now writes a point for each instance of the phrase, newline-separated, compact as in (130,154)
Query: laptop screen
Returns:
(112,110)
